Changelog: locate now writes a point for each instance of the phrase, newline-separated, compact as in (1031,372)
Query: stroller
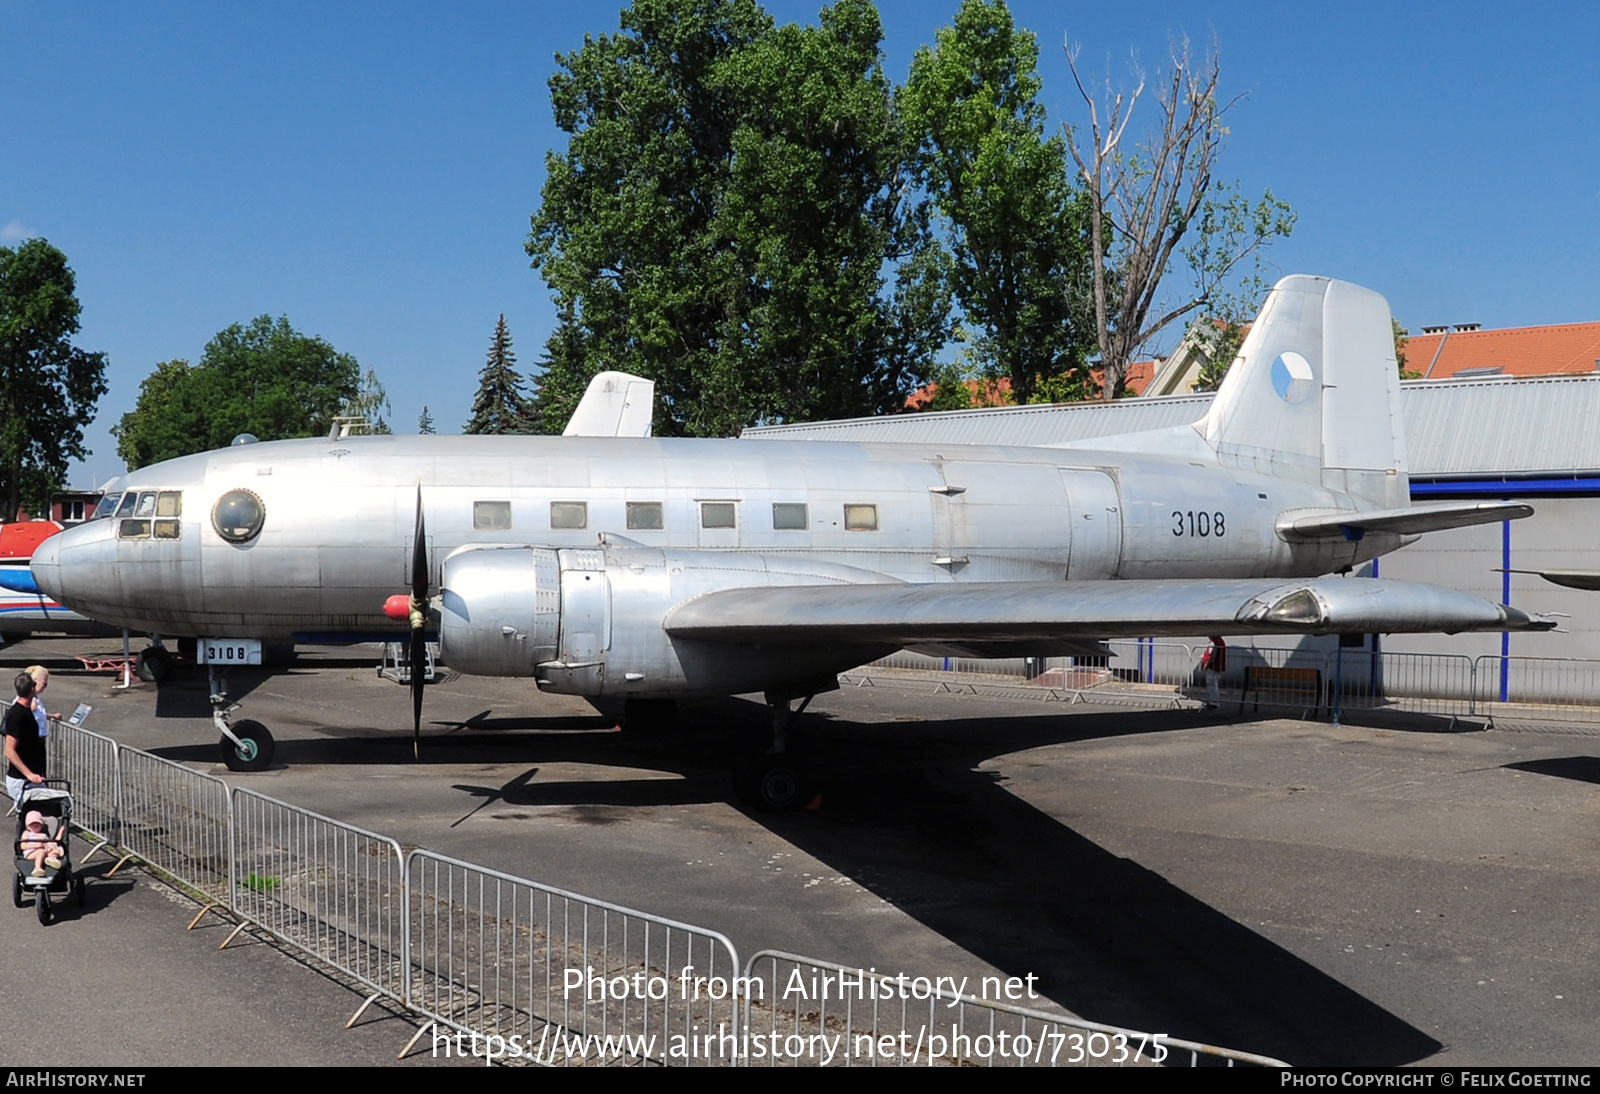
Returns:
(53,801)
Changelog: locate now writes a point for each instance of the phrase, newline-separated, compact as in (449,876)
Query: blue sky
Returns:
(369,170)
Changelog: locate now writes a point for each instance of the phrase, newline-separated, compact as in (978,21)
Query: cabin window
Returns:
(645,516)
(717,514)
(789,516)
(238,516)
(860,518)
(569,514)
(491,516)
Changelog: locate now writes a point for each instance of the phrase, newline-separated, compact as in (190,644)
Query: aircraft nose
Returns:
(46,567)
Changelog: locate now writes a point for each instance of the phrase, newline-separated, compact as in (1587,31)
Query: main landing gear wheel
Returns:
(41,898)
(154,665)
(253,753)
(772,783)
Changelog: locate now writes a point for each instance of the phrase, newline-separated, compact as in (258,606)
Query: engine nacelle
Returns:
(501,610)
(587,621)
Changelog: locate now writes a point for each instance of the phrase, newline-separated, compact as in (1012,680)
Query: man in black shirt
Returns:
(24,748)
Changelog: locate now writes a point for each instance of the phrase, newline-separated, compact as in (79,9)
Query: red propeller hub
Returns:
(398,608)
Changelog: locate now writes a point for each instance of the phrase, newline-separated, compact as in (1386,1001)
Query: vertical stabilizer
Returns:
(615,404)
(1315,393)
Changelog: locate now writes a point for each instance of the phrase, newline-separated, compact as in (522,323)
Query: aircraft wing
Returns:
(919,615)
(1413,520)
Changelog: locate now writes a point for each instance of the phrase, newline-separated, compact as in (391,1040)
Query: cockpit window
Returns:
(129,500)
(169,503)
(238,516)
(107,506)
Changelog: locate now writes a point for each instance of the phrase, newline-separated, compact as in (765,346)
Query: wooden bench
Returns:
(1305,683)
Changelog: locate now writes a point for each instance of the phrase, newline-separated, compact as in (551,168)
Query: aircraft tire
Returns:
(258,750)
(772,783)
(649,717)
(41,900)
(154,665)
(16,890)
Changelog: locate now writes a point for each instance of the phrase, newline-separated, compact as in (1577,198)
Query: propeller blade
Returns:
(419,616)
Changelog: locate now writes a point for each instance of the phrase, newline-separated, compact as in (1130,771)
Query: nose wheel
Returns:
(245,745)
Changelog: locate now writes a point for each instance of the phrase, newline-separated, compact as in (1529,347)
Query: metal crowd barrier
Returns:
(1555,689)
(562,979)
(89,762)
(1313,681)
(175,819)
(800,1011)
(511,970)
(328,888)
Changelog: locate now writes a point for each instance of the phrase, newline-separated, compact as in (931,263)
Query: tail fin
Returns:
(615,404)
(1315,393)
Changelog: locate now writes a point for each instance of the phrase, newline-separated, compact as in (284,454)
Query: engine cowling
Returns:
(500,613)
(587,621)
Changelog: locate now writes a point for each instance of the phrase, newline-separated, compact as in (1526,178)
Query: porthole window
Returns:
(238,516)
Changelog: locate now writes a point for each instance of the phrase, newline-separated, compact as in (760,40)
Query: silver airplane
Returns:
(647,570)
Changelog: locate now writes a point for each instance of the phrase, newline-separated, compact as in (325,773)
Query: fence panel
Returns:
(1419,683)
(803,1012)
(556,978)
(1556,689)
(89,762)
(331,889)
(176,819)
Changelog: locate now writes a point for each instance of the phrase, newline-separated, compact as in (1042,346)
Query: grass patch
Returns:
(262,883)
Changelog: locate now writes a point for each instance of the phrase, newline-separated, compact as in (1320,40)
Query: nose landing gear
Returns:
(245,745)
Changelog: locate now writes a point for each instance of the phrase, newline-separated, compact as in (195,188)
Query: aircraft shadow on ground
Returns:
(1584,769)
(909,816)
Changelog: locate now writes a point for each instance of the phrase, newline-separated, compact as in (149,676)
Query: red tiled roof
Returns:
(998,392)
(1519,351)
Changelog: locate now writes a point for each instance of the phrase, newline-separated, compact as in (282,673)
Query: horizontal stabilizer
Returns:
(924,615)
(1572,579)
(1414,520)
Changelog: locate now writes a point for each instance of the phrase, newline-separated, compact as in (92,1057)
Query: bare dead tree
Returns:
(1144,202)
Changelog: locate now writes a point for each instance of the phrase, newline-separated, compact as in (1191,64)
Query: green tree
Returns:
(1401,337)
(500,406)
(729,217)
(48,387)
(370,403)
(266,379)
(425,422)
(1016,227)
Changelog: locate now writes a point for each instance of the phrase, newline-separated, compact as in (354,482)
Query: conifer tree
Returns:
(500,406)
(425,421)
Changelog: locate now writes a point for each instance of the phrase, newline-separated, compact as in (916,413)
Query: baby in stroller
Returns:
(38,845)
